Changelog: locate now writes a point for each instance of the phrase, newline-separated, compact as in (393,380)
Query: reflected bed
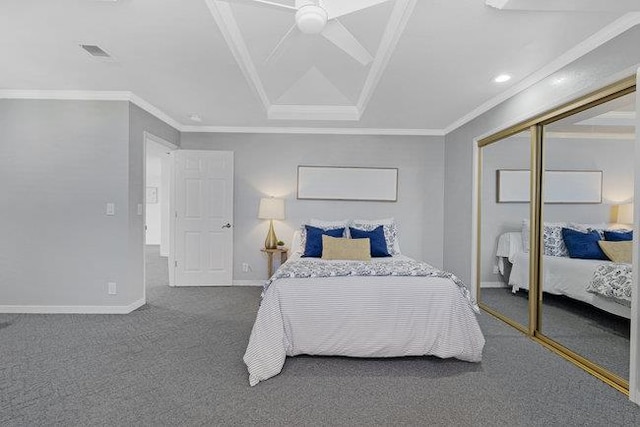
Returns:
(566,276)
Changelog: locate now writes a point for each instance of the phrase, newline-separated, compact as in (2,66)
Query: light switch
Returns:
(111,208)
(139,208)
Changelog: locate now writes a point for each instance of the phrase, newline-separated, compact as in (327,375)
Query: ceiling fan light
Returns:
(311,19)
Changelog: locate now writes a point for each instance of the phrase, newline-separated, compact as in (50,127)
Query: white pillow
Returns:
(296,242)
(327,225)
(389,227)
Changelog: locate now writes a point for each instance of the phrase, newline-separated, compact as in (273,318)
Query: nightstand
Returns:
(270,252)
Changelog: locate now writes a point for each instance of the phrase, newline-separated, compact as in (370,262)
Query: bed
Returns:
(587,280)
(385,307)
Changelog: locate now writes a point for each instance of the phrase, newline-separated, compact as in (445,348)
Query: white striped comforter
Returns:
(380,316)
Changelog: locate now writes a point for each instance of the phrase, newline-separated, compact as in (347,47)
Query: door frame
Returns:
(148,136)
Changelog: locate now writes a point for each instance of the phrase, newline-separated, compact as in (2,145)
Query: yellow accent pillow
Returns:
(617,251)
(347,249)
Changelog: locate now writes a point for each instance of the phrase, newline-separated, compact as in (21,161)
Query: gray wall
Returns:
(612,61)
(613,157)
(61,162)
(266,164)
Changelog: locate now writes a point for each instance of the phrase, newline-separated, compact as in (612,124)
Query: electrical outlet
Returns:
(111,288)
(496,270)
(245,267)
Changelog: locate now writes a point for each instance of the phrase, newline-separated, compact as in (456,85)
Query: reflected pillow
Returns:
(618,236)
(378,243)
(553,242)
(313,245)
(583,244)
(619,251)
(346,249)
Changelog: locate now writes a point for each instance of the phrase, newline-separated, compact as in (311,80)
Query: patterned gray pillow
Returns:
(552,237)
(553,241)
(390,234)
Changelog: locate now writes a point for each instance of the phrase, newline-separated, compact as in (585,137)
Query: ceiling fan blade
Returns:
(271,4)
(283,45)
(337,34)
(337,8)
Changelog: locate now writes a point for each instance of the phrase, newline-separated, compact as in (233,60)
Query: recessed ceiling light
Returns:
(195,118)
(502,78)
(558,80)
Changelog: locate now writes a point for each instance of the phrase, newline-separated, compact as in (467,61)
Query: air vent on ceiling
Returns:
(94,50)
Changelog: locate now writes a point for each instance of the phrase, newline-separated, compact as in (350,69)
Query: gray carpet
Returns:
(595,334)
(178,361)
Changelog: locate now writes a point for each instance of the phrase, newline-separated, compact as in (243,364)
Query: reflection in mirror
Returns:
(504,220)
(585,270)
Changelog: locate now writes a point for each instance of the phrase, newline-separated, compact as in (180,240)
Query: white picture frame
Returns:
(347,183)
(560,186)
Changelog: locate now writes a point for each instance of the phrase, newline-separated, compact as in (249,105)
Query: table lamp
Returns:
(271,208)
(625,214)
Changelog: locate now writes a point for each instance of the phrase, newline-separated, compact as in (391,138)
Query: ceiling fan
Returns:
(320,17)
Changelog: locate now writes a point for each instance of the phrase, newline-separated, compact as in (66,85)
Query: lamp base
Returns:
(271,242)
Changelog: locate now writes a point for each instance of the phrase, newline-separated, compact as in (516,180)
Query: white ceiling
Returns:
(174,55)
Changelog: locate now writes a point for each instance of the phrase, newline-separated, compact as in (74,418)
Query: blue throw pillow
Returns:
(618,236)
(583,245)
(313,246)
(377,240)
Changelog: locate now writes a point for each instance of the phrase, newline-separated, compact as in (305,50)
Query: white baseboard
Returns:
(248,282)
(72,309)
(234,283)
(493,285)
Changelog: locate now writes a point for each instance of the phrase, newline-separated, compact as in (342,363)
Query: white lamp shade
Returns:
(625,214)
(271,208)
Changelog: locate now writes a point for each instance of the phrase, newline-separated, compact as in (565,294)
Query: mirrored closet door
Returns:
(555,221)
(585,265)
(504,222)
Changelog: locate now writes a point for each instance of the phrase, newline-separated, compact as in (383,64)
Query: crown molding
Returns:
(83,95)
(592,135)
(316,131)
(71,95)
(155,111)
(611,118)
(566,5)
(596,40)
(313,112)
(91,95)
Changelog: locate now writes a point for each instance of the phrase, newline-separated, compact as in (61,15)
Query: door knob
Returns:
(227,225)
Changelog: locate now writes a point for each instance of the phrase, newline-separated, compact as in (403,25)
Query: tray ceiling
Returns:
(433,61)
(309,77)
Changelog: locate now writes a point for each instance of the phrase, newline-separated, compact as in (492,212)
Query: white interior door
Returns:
(203,253)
